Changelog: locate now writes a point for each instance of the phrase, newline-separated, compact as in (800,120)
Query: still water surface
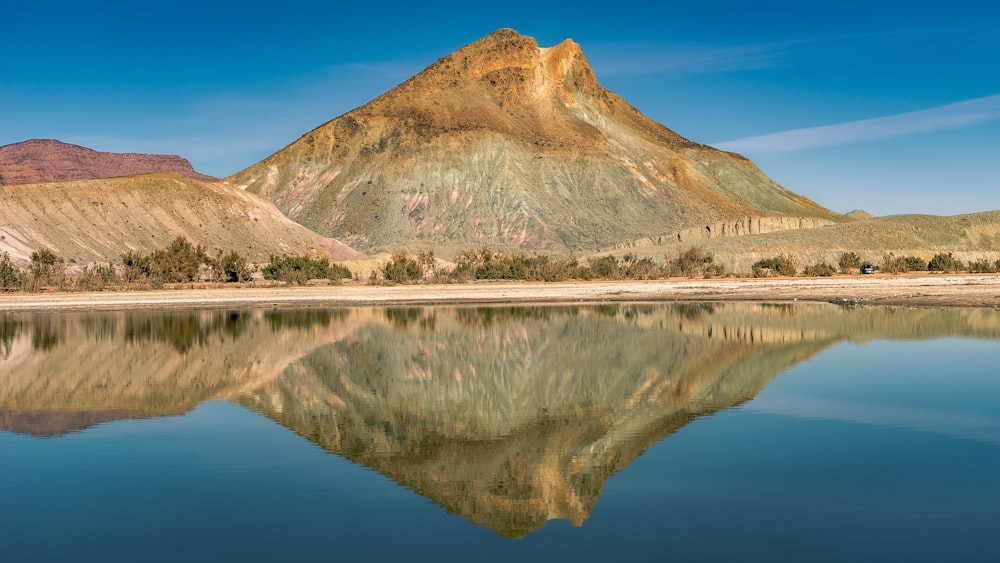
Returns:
(633,432)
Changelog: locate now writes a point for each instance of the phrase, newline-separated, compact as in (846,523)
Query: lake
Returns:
(638,432)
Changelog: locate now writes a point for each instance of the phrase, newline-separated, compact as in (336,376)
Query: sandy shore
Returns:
(916,290)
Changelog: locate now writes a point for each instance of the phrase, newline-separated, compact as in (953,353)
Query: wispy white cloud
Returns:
(224,131)
(624,59)
(951,116)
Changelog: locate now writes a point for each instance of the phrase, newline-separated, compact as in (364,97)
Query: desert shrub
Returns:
(136,267)
(179,262)
(545,269)
(783,264)
(96,277)
(694,262)
(300,269)
(635,268)
(432,271)
(983,266)
(503,267)
(11,277)
(945,263)
(465,265)
(232,267)
(402,269)
(849,262)
(822,269)
(46,269)
(484,264)
(605,267)
(892,264)
(915,264)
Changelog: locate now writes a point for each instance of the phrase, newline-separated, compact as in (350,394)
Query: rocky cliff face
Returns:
(509,145)
(45,160)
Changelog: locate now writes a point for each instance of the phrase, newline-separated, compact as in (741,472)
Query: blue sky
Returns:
(892,107)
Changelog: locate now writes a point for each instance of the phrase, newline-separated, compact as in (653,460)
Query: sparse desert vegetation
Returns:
(182,263)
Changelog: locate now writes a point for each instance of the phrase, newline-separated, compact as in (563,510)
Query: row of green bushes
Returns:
(485,264)
(941,262)
(178,262)
(183,262)
(851,262)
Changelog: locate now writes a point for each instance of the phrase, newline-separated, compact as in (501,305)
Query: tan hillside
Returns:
(47,160)
(969,237)
(506,144)
(99,220)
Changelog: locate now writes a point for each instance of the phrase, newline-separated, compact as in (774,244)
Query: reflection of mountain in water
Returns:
(508,416)
(511,417)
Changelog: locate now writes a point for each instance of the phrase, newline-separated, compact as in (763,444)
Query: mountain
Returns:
(99,220)
(46,160)
(509,145)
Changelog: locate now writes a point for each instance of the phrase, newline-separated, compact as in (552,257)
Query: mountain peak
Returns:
(506,144)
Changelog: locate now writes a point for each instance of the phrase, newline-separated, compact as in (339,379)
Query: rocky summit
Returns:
(512,146)
(47,160)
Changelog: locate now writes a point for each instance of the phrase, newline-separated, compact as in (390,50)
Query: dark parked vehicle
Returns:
(867,268)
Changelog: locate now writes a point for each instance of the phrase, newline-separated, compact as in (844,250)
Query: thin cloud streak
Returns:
(645,59)
(951,116)
(224,132)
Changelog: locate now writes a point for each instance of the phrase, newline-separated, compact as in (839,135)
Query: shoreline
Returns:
(935,290)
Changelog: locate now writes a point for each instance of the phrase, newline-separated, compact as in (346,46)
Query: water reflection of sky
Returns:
(673,433)
(948,386)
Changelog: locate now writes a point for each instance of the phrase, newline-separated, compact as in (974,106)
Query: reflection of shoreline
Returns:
(978,290)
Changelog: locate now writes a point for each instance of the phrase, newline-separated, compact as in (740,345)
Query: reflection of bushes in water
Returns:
(482,317)
(302,318)
(100,327)
(44,336)
(9,330)
(689,311)
(693,311)
(638,310)
(783,309)
(609,310)
(404,317)
(184,331)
